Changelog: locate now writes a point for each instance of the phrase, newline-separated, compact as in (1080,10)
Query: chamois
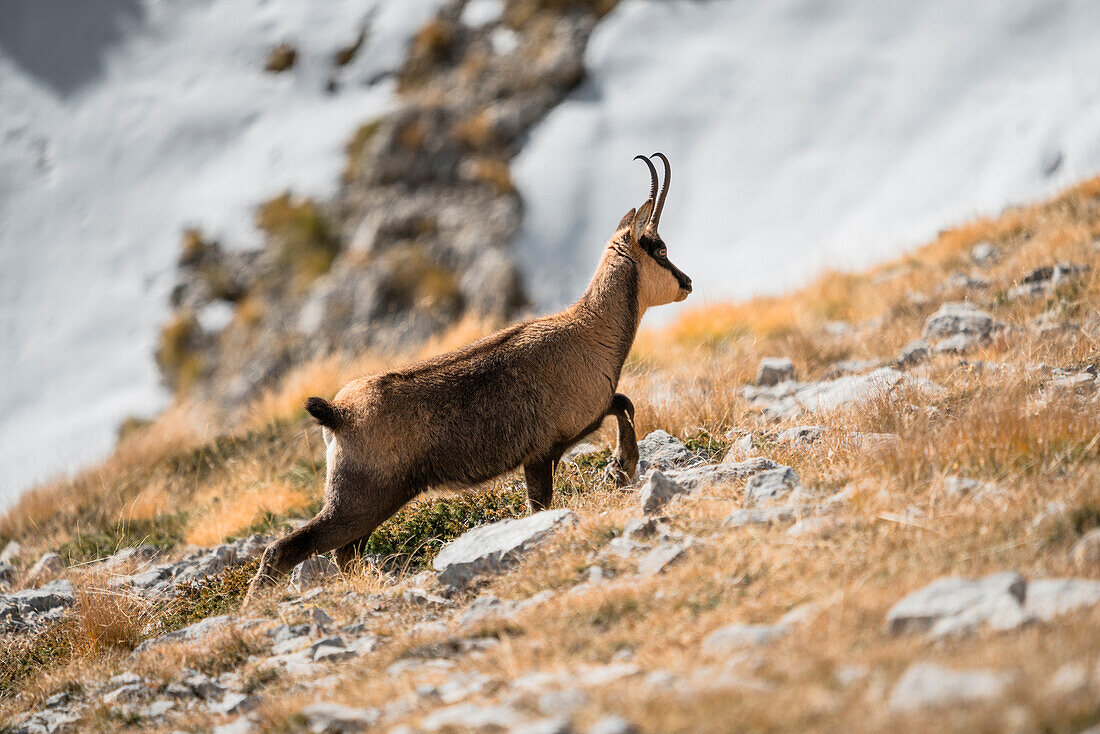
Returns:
(519,397)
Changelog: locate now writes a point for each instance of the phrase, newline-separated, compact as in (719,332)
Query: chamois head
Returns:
(659,281)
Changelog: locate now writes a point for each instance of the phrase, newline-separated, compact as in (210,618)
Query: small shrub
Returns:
(412,279)
(209,597)
(356,149)
(304,240)
(476,132)
(712,447)
(29,655)
(177,350)
(345,54)
(411,539)
(493,173)
(432,46)
(193,247)
(281,58)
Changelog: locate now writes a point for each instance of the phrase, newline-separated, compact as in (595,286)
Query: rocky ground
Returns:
(871,504)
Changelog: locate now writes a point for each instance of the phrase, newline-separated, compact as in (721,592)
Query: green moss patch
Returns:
(411,539)
(210,597)
(162,531)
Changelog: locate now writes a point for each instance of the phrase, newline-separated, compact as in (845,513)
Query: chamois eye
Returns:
(661,252)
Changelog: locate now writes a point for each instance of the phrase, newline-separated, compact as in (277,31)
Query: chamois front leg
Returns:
(540,483)
(624,461)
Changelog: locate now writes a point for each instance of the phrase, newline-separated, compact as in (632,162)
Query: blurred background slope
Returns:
(358,174)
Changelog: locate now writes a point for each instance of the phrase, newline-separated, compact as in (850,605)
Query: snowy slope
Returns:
(809,133)
(121,122)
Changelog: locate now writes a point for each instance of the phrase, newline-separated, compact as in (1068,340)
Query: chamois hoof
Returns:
(619,476)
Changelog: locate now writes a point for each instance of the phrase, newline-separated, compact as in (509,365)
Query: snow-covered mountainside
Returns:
(808,133)
(121,123)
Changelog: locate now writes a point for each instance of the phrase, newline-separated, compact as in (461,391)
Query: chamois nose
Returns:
(686,285)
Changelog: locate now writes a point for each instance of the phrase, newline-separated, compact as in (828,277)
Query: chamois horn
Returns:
(652,177)
(656,218)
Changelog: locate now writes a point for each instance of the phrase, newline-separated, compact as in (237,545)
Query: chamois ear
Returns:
(324,413)
(641,219)
(626,221)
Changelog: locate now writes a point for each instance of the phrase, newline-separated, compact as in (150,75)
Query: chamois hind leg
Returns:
(540,483)
(624,461)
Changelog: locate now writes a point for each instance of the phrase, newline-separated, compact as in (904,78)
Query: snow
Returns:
(807,134)
(121,123)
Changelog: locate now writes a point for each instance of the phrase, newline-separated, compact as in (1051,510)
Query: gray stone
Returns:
(58,594)
(612,724)
(128,678)
(660,450)
(484,608)
(1086,551)
(1050,598)
(495,547)
(564,701)
(914,353)
(645,528)
(624,547)
(928,686)
(801,434)
(12,552)
(133,554)
(157,709)
(46,567)
(850,367)
(769,487)
(814,526)
(953,605)
(762,516)
(774,370)
(983,253)
(962,281)
(421,598)
(471,717)
(239,725)
(334,718)
(658,491)
(656,560)
(313,572)
(958,318)
(1079,381)
(318,617)
(724,473)
(198,630)
(330,650)
(236,703)
(736,636)
(788,400)
(129,692)
(956,344)
(204,687)
(1070,679)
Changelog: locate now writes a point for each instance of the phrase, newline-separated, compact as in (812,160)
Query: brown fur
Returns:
(519,397)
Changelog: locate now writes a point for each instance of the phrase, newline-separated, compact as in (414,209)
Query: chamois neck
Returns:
(609,309)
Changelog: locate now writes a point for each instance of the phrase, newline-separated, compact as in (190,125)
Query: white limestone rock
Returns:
(495,547)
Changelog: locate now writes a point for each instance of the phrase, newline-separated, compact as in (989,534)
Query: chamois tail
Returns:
(325,413)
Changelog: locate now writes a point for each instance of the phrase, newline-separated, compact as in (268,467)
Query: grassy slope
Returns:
(177,481)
